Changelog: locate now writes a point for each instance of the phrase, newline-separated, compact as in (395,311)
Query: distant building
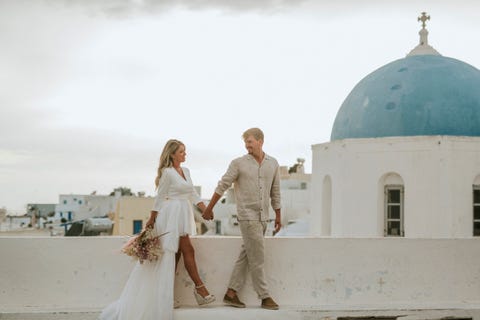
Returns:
(42,210)
(73,207)
(14,222)
(3,214)
(40,213)
(131,214)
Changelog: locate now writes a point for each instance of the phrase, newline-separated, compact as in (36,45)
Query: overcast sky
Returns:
(90,91)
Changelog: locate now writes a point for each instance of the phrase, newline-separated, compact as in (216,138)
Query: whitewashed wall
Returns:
(326,273)
(438,173)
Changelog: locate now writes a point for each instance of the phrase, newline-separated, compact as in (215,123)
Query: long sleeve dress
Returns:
(148,293)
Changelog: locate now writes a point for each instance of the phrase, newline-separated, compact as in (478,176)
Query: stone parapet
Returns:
(85,274)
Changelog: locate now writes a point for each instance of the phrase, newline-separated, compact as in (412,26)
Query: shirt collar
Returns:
(267,157)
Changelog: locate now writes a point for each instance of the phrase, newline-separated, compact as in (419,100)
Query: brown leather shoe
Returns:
(234,302)
(269,304)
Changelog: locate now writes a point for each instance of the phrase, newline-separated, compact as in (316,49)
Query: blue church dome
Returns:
(414,96)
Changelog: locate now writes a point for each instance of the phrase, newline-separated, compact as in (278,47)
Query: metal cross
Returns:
(423,18)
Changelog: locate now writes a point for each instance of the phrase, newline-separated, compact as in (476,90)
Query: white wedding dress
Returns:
(148,293)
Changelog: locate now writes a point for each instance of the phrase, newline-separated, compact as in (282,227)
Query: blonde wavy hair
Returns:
(170,148)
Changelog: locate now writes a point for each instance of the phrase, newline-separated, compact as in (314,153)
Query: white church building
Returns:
(404,154)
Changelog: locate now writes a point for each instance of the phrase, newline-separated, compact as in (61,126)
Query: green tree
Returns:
(124,191)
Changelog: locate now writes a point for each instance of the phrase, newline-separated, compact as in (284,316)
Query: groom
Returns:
(257,184)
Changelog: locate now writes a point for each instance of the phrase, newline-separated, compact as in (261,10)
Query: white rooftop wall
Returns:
(348,178)
(87,273)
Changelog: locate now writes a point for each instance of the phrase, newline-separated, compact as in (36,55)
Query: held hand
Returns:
(207,214)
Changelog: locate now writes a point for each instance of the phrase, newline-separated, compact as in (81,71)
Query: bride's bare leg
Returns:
(188,252)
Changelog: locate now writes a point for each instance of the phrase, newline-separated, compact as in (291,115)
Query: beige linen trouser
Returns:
(252,257)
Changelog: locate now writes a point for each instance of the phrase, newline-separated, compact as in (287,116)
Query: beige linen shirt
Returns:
(256,185)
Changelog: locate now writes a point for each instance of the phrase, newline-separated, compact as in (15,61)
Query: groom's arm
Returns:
(208,213)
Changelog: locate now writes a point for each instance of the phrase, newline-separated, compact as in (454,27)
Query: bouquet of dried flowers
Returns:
(144,246)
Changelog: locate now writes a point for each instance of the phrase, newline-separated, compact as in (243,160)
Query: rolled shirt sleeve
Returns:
(228,178)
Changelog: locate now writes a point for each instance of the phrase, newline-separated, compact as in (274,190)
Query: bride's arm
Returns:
(162,192)
(151,220)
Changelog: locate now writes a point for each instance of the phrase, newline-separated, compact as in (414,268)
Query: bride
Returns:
(148,293)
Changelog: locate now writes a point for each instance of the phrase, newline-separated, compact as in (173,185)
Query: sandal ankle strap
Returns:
(200,286)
